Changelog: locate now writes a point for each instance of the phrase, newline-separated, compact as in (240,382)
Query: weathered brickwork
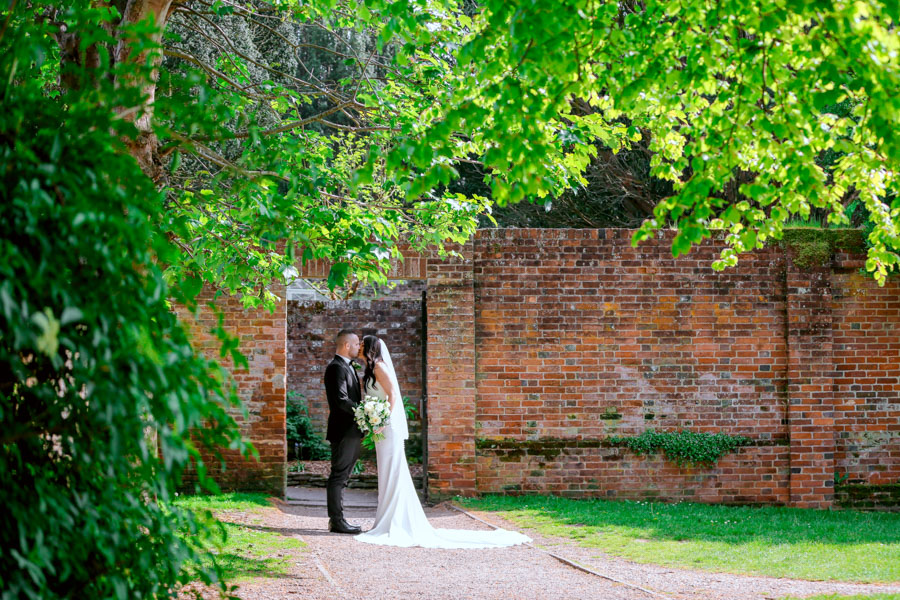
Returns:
(261,387)
(810,385)
(451,375)
(542,343)
(868,496)
(586,468)
(866,349)
(312,325)
(581,336)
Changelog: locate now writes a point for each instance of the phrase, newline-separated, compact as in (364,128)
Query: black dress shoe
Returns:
(342,526)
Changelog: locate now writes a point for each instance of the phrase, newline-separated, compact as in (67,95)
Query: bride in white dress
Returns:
(400,520)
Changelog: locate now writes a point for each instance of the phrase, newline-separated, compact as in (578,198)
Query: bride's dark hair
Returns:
(372,352)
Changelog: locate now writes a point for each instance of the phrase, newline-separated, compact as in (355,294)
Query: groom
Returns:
(343,392)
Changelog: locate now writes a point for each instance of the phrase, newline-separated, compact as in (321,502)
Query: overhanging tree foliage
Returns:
(301,97)
(99,231)
(727,93)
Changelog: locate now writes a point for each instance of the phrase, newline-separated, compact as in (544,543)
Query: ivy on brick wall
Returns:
(682,447)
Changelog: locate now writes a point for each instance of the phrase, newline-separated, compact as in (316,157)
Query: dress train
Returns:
(400,520)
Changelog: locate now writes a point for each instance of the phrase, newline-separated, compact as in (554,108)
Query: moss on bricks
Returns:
(610,414)
(816,247)
(862,496)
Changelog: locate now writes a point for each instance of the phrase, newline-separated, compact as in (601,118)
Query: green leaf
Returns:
(362,11)
(337,274)
(48,341)
(191,287)
(680,245)
(70,314)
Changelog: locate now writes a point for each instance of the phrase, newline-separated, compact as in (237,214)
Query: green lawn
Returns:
(779,542)
(248,550)
(242,502)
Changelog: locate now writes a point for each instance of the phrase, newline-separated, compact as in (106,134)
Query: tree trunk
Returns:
(144,147)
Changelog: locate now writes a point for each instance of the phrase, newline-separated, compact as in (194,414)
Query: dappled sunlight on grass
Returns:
(774,541)
(245,551)
(251,553)
(234,501)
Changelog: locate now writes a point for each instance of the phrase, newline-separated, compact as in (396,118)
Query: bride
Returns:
(400,520)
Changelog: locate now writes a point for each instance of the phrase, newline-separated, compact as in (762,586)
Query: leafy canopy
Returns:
(729,94)
(294,107)
(337,128)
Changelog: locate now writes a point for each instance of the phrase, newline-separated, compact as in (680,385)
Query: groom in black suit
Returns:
(343,392)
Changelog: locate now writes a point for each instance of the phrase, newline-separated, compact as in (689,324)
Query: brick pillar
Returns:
(261,386)
(810,386)
(451,375)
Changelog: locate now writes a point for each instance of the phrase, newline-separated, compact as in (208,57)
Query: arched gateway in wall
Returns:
(542,343)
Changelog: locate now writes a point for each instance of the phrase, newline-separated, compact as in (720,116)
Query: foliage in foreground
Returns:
(770,541)
(99,386)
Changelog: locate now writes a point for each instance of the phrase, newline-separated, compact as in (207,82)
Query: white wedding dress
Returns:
(400,520)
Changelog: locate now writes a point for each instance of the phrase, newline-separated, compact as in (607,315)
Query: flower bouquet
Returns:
(372,414)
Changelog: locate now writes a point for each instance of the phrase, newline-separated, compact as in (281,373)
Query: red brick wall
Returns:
(580,336)
(588,468)
(542,343)
(451,375)
(261,387)
(866,350)
(810,385)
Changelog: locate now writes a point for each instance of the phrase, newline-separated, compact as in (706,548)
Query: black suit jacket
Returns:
(343,392)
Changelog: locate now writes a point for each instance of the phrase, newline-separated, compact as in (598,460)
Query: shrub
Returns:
(99,387)
(303,441)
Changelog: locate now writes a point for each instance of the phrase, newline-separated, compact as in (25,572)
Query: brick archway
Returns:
(396,315)
(450,375)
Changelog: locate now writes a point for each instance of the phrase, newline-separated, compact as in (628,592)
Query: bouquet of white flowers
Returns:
(371,414)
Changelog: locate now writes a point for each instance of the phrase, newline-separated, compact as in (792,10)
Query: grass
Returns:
(779,542)
(242,502)
(248,550)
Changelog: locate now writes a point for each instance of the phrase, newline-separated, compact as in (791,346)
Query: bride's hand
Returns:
(379,430)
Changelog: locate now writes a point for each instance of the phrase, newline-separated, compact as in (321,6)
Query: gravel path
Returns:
(337,566)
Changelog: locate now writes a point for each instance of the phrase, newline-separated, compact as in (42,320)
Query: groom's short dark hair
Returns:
(342,334)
